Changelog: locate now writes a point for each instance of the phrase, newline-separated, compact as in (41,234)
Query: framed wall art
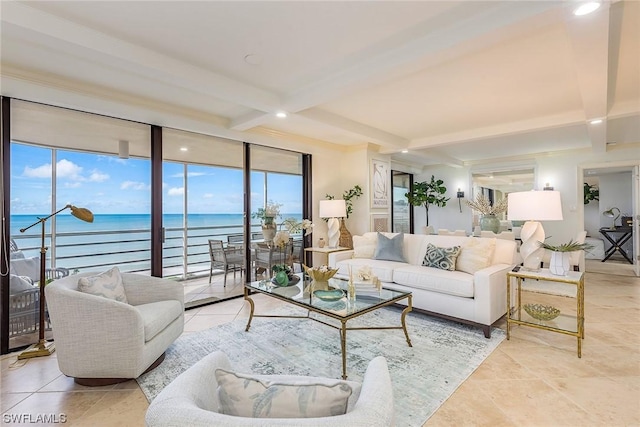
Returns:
(380,184)
(380,222)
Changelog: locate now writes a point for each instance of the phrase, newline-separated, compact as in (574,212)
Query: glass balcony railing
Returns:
(185,251)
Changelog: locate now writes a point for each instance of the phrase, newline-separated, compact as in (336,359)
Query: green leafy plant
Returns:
(428,193)
(591,192)
(566,247)
(348,196)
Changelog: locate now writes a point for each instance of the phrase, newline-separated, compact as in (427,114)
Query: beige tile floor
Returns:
(534,379)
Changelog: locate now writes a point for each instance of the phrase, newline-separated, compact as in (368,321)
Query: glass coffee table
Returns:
(336,307)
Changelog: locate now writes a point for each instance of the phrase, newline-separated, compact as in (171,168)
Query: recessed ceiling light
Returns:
(596,121)
(281,115)
(183,148)
(586,8)
(405,151)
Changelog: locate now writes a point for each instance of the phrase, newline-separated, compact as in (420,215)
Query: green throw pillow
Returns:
(442,258)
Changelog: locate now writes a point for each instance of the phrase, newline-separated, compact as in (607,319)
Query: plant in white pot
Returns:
(560,255)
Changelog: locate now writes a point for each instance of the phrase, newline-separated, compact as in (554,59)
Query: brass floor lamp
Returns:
(44,348)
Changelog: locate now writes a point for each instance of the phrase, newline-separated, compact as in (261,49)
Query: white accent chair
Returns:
(192,399)
(100,341)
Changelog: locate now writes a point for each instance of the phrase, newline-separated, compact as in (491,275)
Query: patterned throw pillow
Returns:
(442,258)
(390,249)
(475,255)
(107,285)
(245,396)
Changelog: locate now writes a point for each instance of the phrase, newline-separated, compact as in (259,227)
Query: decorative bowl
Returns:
(329,295)
(321,274)
(541,312)
(279,279)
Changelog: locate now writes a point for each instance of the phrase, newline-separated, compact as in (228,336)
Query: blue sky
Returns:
(110,185)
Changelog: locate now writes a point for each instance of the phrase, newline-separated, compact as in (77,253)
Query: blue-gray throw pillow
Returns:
(442,258)
(390,249)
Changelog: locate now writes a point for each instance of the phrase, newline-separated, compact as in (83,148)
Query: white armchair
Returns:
(192,400)
(101,341)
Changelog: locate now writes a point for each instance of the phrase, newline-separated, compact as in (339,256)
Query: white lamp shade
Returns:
(333,209)
(534,206)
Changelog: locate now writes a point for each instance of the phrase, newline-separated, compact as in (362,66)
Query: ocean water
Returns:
(125,239)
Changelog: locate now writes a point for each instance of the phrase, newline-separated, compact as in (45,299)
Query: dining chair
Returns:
(230,258)
(267,255)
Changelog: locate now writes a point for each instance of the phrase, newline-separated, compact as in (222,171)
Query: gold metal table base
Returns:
(514,313)
(343,323)
(42,348)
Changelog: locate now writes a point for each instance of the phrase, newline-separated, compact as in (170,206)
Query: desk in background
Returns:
(611,234)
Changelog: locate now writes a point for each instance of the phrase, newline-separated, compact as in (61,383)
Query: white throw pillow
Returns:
(475,255)
(107,285)
(364,247)
(245,396)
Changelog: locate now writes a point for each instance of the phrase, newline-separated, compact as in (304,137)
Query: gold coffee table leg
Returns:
(251,313)
(343,346)
(404,323)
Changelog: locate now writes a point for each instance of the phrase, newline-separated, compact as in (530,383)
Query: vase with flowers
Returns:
(283,243)
(488,221)
(267,216)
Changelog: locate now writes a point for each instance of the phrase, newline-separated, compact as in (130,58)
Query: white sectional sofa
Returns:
(478,298)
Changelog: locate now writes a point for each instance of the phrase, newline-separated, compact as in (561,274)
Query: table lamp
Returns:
(533,206)
(610,214)
(333,209)
(43,347)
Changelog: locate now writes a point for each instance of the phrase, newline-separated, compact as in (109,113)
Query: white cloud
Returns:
(43,171)
(208,195)
(176,191)
(97,176)
(65,169)
(133,185)
(69,170)
(191,174)
(72,184)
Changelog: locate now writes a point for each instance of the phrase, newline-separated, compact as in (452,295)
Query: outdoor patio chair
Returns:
(226,259)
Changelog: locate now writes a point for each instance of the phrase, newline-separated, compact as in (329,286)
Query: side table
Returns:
(564,323)
(326,250)
(617,243)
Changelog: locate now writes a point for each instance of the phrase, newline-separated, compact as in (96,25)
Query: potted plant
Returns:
(489,221)
(268,216)
(428,193)
(591,192)
(559,263)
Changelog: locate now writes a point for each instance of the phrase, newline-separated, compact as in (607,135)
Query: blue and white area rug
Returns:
(443,355)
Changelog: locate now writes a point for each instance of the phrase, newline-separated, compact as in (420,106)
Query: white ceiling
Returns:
(455,82)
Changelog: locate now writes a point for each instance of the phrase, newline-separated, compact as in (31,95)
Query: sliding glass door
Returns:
(202,200)
(60,157)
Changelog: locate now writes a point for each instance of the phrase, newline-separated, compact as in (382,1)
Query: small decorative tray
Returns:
(292,281)
(330,295)
(541,312)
